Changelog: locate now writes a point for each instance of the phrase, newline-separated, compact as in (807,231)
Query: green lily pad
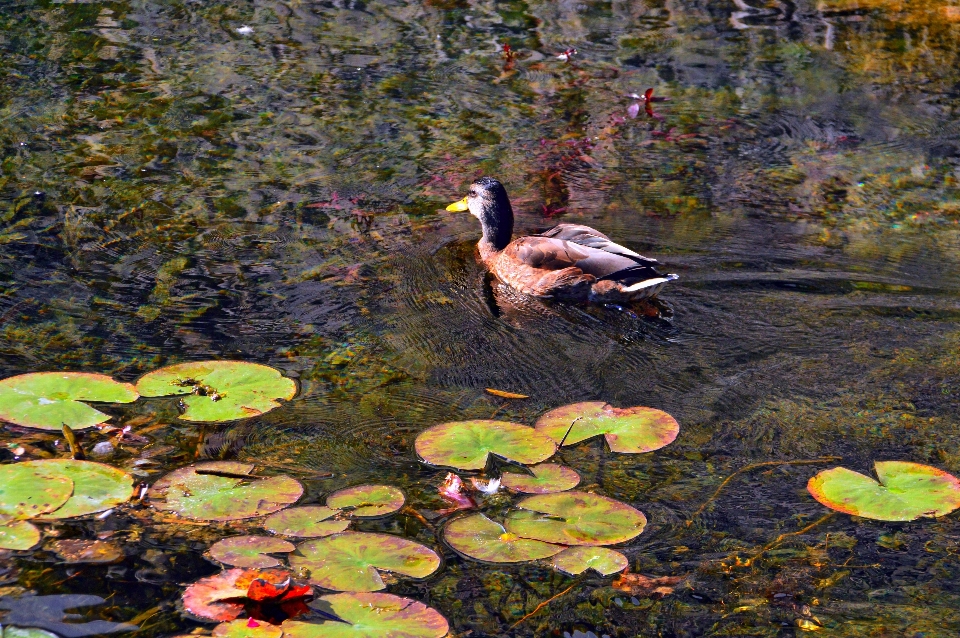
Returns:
(310,521)
(465,445)
(250,551)
(50,400)
(247,628)
(630,430)
(575,518)
(367,501)
(349,561)
(96,487)
(905,491)
(222,495)
(26,492)
(603,560)
(479,537)
(25,632)
(19,535)
(220,390)
(547,478)
(370,616)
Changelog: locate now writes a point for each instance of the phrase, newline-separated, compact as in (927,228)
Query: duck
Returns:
(569,261)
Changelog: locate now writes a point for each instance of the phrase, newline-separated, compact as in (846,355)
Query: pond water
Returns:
(265,181)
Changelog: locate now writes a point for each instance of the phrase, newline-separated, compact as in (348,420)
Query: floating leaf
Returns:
(465,445)
(250,551)
(479,537)
(308,522)
(49,400)
(221,597)
(349,561)
(547,478)
(503,394)
(27,492)
(75,550)
(575,518)
(49,612)
(630,430)
(905,491)
(18,632)
(367,501)
(96,487)
(246,628)
(220,390)
(218,493)
(19,535)
(370,616)
(576,560)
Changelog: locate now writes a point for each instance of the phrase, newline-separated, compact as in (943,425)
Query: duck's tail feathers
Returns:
(635,292)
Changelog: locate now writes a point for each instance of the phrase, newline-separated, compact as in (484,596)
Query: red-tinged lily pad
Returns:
(905,491)
(250,551)
(576,560)
(350,561)
(547,478)
(367,501)
(96,487)
(465,445)
(50,400)
(309,521)
(575,518)
(27,492)
(19,535)
(217,491)
(630,430)
(369,615)
(480,538)
(247,628)
(220,390)
(222,597)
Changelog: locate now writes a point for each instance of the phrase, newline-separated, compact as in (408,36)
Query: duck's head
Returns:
(487,201)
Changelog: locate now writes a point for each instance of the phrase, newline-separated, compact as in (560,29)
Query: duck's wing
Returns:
(551,253)
(593,238)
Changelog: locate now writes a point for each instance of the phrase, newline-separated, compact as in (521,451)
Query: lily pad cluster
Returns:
(54,489)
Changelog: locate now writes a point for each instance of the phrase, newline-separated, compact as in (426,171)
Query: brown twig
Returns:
(406,509)
(544,604)
(754,466)
(779,539)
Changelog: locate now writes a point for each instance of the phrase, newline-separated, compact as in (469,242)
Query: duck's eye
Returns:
(472,194)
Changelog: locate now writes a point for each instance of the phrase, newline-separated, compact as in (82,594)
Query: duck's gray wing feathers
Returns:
(593,238)
(551,253)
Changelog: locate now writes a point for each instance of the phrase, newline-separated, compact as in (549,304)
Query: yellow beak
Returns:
(458,207)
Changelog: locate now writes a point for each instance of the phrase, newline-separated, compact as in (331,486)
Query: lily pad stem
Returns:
(546,602)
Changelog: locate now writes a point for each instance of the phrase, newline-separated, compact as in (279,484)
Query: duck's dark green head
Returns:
(487,201)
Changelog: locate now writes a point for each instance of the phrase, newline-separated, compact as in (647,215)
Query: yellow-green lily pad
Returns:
(547,478)
(250,551)
(480,538)
(50,400)
(575,518)
(350,561)
(217,491)
(367,501)
(19,535)
(603,560)
(629,430)
(96,487)
(370,615)
(465,445)
(246,628)
(309,521)
(219,390)
(904,492)
(27,492)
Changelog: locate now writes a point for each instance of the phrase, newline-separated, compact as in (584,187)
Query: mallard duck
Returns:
(569,261)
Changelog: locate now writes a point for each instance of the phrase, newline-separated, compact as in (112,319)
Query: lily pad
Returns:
(219,390)
(51,612)
(367,501)
(630,430)
(349,561)
(547,478)
(96,487)
(250,551)
(73,551)
(370,615)
(465,445)
(218,493)
(18,632)
(221,597)
(905,491)
(479,537)
(50,400)
(247,628)
(19,535)
(26,492)
(576,560)
(575,518)
(310,521)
